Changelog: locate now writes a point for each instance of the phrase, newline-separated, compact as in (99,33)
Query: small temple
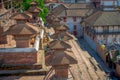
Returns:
(59,54)
(34,10)
(23,49)
(22,31)
(60,58)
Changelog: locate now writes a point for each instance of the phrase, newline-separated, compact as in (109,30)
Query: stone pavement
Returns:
(87,48)
(85,69)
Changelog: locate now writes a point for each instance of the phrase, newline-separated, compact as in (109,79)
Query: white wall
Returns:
(73,1)
(99,29)
(70,22)
(109,3)
(108,39)
(68,1)
(91,43)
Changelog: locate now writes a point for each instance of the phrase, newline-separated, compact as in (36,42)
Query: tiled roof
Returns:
(58,9)
(80,9)
(64,37)
(60,58)
(34,9)
(57,44)
(101,18)
(18,16)
(28,13)
(33,3)
(21,29)
(81,12)
(51,17)
(80,5)
(61,27)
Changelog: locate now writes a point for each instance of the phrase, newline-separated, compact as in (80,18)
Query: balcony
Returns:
(107,32)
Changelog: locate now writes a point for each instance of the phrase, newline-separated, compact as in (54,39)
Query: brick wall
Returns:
(1,57)
(22,43)
(19,58)
(118,70)
(100,52)
(61,73)
(3,39)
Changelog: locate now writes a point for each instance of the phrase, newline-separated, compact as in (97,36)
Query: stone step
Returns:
(23,72)
(16,67)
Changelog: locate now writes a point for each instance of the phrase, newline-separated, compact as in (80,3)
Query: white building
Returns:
(103,27)
(106,4)
(72,15)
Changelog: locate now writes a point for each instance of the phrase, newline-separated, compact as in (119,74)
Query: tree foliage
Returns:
(26,5)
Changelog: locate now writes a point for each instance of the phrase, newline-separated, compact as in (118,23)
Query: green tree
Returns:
(26,5)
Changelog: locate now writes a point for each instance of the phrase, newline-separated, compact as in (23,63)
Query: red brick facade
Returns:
(118,70)
(61,71)
(22,43)
(18,58)
(3,39)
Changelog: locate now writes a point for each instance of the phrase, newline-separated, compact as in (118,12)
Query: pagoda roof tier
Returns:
(20,16)
(22,29)
(28,13)
(34,9)
(64,37)
(33,3)
(58,45)
(52,17)
(61,27)
(60,58)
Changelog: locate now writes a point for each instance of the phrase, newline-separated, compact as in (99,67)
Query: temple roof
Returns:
(34,9)
(101,18)
(33,3)
(71,10)
(20,16)
(60,58)
(57,44)
(21,29)
(28,13)
(61,27)
(52,19)
(64,37)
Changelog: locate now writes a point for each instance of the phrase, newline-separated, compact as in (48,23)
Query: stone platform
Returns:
(29,69)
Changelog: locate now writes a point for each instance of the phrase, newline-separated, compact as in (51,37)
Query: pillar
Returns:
(118,70)
(61,71)
(22,42)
